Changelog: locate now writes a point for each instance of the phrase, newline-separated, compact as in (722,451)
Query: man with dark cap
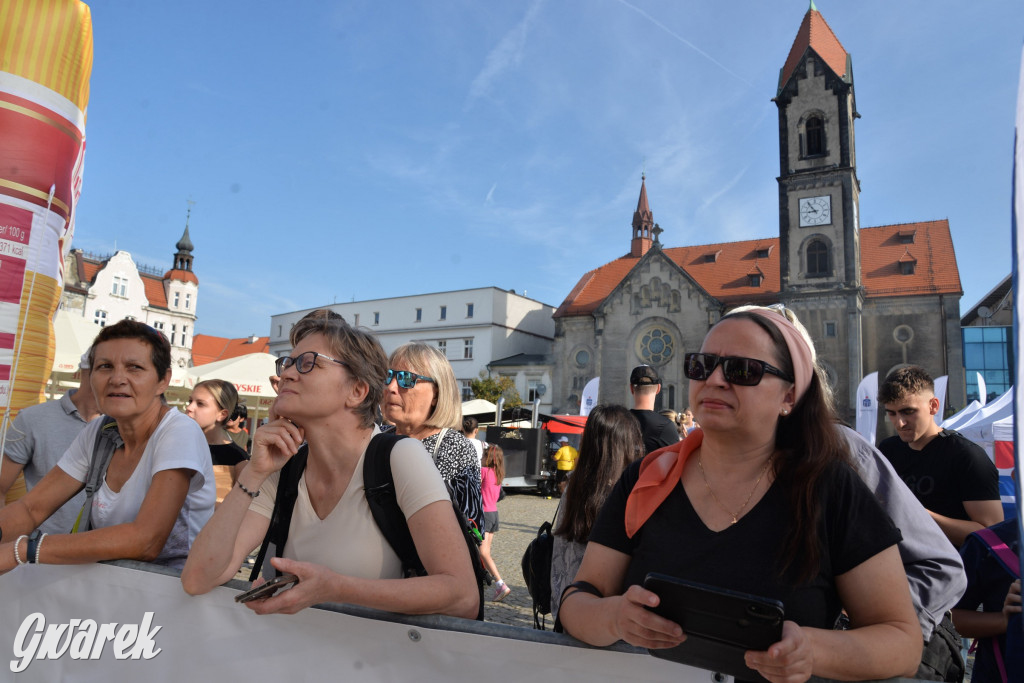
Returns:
(658,431)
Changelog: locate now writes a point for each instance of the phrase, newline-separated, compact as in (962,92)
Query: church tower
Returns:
(819,192)
(643,223)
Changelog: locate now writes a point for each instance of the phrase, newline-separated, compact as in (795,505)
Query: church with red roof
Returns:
(873,298)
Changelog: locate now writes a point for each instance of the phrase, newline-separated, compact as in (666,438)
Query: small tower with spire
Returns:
(183,259)
(643,223)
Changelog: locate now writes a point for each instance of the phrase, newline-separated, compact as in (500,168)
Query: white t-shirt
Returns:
(177,442)
(348,541)
(478,445)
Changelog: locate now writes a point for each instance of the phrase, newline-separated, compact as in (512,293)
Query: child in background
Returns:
(492,473)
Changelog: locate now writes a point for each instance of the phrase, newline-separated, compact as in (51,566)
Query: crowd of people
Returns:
(881,557)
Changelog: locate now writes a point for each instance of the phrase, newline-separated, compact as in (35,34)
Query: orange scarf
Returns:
(660,471)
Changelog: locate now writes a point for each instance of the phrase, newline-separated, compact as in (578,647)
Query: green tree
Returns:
(493,388)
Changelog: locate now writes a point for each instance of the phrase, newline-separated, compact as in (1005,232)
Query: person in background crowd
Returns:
(158,489)
(236,427)
(761,500)
(329,392)
(991,586)
(952,477)
(421,397)
(492,473)
(470,428)
(40,435)
(658,430)
(565,462)
(686,423)
(611,441)
(209,406)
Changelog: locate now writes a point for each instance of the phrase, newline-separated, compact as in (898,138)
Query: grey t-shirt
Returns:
(37,439)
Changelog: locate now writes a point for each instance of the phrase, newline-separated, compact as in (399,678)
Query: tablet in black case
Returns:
(720,625)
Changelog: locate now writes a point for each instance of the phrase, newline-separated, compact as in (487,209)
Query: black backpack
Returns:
(537,572)
(379,484)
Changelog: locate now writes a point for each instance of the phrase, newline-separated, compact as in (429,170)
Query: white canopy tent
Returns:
(249,373)
(73,336)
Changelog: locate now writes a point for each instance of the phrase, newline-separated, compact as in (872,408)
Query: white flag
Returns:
(982,389)
(589,399)
(940,393)
(867,407)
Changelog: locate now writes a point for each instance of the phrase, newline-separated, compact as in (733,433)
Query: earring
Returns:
(785,412)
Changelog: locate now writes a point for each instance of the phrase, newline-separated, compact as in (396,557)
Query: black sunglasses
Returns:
(304,362)
(406,379)
(745,372)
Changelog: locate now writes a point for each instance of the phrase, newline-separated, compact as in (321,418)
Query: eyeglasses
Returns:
(406,379)
(745,372)
(304,362)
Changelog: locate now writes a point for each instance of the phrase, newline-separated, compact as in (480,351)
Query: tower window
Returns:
(817,259)
(188,301)
(815,132)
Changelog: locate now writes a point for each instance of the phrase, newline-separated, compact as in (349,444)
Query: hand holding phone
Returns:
(266,590)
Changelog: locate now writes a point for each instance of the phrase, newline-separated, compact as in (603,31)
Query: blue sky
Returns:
(364,149)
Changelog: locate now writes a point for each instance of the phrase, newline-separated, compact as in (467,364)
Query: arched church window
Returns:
(817,259)
(815,132)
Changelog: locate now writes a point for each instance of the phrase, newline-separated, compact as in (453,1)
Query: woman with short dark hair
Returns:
(157,489)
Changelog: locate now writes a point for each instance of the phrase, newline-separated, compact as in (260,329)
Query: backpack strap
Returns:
(281,518)
(108,440)
(1002,552)
(379,486)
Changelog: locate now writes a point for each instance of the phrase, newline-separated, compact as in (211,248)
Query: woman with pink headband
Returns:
(761,500)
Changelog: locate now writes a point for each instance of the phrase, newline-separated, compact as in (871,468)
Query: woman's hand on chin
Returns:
(639,626)
(315,582)
(791,660)
(274,444)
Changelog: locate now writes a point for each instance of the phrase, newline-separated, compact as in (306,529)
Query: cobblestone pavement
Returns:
(519,515)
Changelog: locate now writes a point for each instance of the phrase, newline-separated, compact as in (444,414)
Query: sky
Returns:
(354,150)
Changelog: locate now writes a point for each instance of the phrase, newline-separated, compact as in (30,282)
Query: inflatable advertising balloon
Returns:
(45,62)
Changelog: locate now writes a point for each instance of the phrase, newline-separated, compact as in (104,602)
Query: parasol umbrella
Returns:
(74,335)
(249,373)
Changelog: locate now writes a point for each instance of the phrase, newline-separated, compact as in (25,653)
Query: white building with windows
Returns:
(106,289)
(472,326)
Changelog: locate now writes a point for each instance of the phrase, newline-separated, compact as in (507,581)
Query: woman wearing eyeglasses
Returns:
(327,397)
(759,500)
(421,398)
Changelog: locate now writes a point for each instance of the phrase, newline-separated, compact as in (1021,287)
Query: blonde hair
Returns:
(224,395)
(424,359)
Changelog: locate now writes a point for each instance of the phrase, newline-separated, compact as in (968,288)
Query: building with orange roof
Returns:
(107,288)
(209,349)
(872,298)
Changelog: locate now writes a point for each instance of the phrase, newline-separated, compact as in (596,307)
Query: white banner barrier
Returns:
(179,638)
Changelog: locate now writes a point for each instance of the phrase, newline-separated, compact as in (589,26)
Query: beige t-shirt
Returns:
(348,541)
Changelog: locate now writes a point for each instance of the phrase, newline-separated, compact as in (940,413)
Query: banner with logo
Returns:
(589,399)
(867,407)
(111,623)
(45,62)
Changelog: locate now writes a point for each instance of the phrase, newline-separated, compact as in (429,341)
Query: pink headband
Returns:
(799,351)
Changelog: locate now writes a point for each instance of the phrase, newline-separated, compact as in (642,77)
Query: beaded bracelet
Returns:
(39,546)
(17,555)
(251,494)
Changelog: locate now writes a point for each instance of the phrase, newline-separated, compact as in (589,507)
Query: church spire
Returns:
(183,259)
(643,222)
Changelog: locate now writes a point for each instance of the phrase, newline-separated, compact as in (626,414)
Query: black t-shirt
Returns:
(947,471)
(227,454)
(745,556)
(658,431)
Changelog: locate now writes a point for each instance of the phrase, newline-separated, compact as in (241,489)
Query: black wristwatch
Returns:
(33,542)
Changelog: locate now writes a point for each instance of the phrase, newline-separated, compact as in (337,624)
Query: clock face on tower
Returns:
(815,211)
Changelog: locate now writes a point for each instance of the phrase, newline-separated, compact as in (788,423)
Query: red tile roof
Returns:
(208,349)
(726,278)
(816,34)
(183,275)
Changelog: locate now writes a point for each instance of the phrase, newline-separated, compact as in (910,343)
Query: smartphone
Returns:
(720,624)
(267,589)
